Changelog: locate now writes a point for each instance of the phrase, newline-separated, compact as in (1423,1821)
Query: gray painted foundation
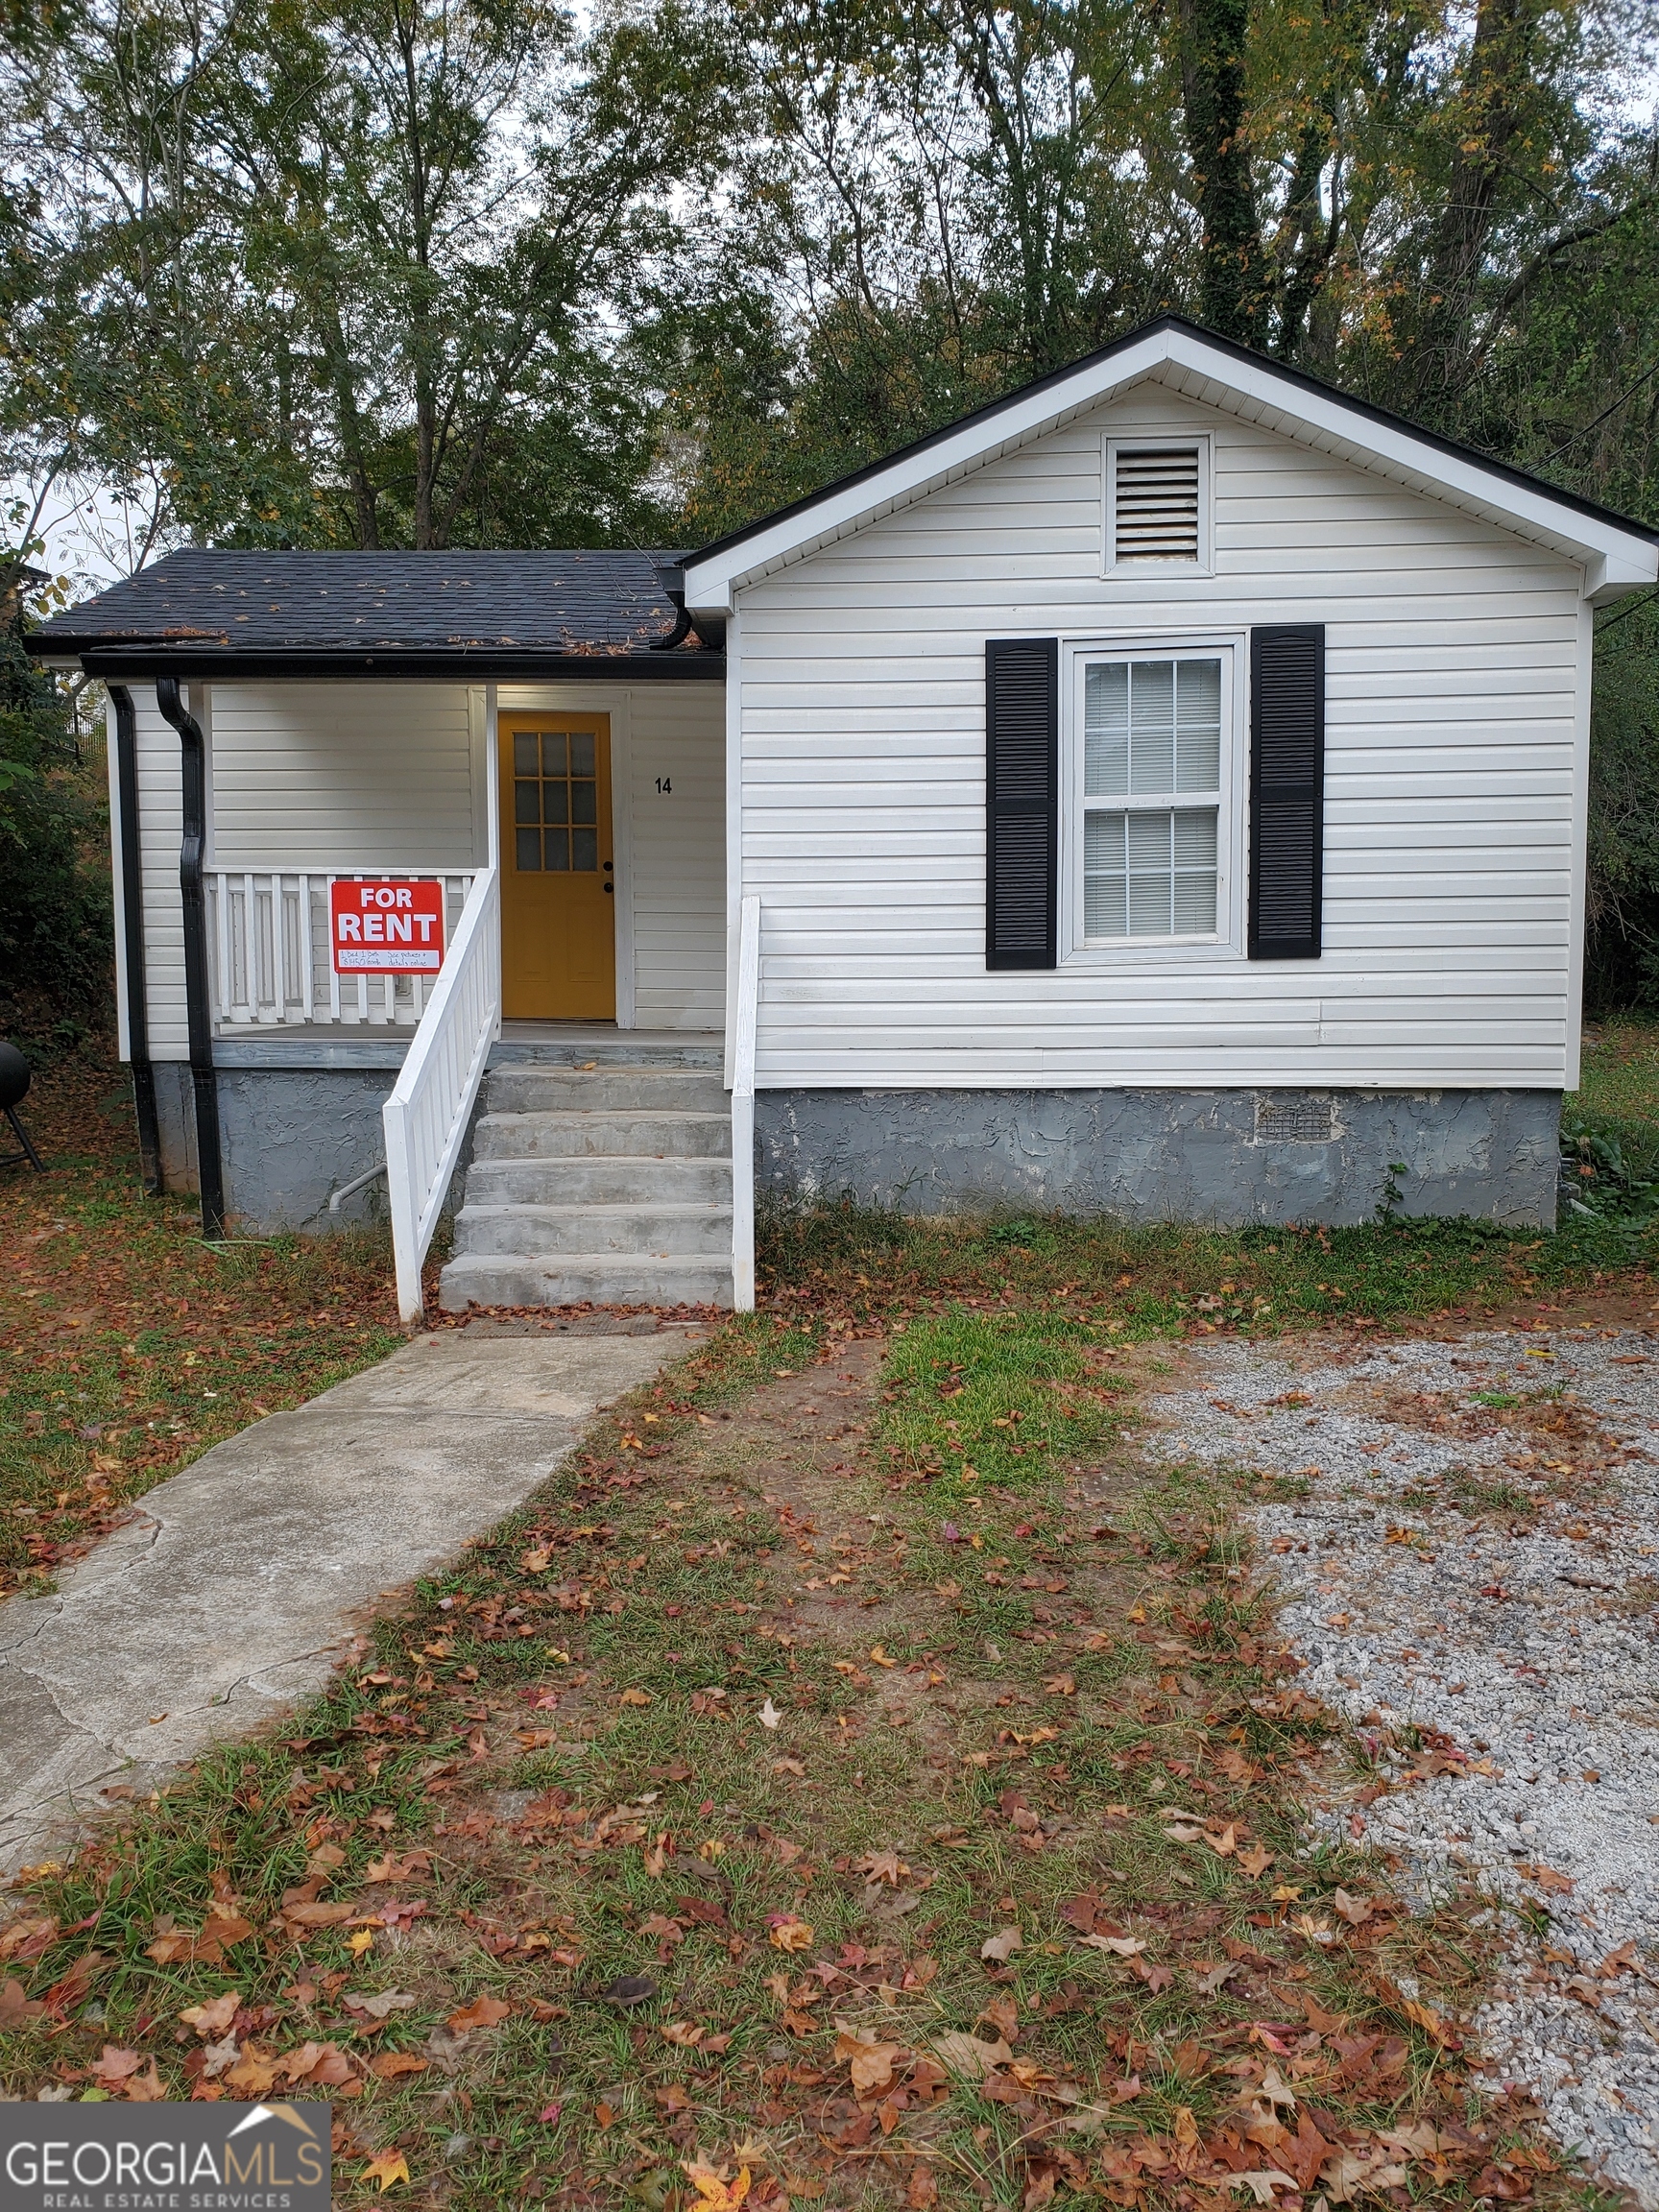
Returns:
(1227,1157)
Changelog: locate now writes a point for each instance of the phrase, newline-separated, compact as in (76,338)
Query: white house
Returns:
(1161,792)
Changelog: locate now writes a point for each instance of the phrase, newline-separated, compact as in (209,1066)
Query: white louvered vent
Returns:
(1155,503)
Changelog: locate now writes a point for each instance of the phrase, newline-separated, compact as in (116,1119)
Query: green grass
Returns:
(1620,1072)
(1133,1283)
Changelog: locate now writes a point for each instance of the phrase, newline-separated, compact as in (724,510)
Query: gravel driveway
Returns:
(1475,1549)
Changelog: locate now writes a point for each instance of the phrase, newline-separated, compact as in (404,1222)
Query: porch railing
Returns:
(743,1107)
(268,951)
(426,1117)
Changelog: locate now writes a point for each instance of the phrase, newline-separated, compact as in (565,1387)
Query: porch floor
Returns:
(544,1043)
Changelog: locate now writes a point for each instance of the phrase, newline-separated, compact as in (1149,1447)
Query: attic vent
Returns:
(1294,1122)
(1155,503)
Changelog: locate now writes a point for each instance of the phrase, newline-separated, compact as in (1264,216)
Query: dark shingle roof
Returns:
(505,609)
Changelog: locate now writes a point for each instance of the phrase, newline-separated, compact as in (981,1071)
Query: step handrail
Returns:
(743,1107)
(430,1108)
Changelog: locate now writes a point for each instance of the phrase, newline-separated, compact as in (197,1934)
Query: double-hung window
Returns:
(1154,774)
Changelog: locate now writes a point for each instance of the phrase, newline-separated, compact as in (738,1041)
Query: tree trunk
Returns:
(1486,120)
(1235,288)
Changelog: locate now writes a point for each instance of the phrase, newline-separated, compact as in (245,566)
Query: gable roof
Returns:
(1618,555)
(387,613)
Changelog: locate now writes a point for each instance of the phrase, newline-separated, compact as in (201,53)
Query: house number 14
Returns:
(665,786)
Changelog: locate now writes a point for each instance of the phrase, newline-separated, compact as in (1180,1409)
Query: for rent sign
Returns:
(385,928)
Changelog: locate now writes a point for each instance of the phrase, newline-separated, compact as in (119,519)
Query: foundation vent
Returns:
(1294,1122)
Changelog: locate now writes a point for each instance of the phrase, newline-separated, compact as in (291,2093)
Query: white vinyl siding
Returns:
(1450,827)
(346,775)
(160,827)
(678,857)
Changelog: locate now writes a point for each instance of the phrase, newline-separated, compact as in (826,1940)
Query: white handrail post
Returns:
(743,1108)
(426,1117)
(404,1210)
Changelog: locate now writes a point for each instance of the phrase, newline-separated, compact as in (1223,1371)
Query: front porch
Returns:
(315,1092)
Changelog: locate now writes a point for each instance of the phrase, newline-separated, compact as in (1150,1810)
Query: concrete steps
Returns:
(611,1184)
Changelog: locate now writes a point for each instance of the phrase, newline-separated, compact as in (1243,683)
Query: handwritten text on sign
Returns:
(386,929)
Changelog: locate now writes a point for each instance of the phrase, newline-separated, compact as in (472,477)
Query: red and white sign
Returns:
(387,928)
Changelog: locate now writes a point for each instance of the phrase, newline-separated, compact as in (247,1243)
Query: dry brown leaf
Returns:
(483,2013)
(15,2009)
(213,2017)
(967,2057)
(792,1936)
(1002,1946)
(388,2066)
(869,2060)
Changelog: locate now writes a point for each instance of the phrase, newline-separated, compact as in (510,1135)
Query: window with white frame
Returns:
(1154,784)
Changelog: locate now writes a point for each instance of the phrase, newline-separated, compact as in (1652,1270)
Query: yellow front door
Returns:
(558,903)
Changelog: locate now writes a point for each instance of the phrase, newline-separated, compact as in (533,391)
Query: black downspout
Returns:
(133,942)
(192,853)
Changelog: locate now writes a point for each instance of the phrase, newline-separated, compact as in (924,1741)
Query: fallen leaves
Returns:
(213,2017)
(627,1991)
(715,2192)
(869,2061)
(967,2056)
(882,1866)
(16,2010)
(788,1934)
(1001,1947)
(386,2167)
(484,2011)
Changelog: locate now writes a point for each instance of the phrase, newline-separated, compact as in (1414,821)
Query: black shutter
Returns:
(1022,800)
(1286,790)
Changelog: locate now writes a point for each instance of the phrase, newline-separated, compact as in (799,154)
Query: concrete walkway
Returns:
(230,1594)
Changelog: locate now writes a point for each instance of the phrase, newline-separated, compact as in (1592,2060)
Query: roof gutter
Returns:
(710,629)
(117,661)
(192,859)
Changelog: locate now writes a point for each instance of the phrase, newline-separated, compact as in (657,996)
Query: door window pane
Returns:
(556,782)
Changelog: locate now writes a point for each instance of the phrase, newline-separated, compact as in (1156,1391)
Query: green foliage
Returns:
(55,908)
